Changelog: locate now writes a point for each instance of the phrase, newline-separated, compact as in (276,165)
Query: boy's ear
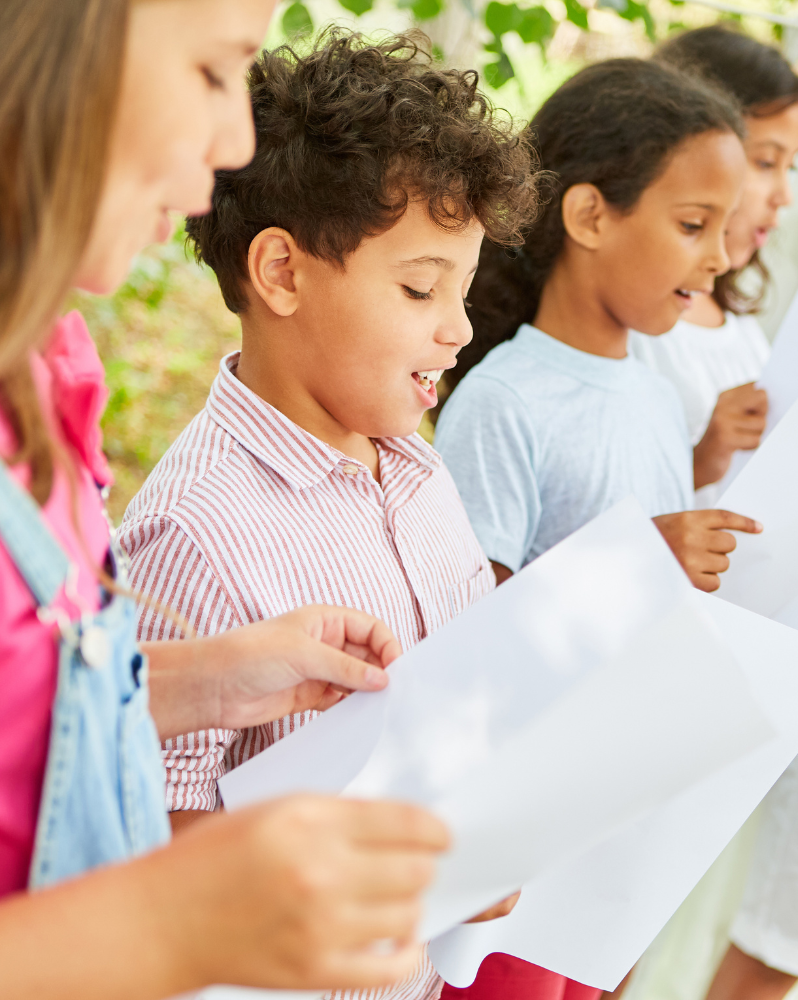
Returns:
(583,210)
(273,258)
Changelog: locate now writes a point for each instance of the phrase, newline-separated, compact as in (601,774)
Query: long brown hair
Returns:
(615,125)
(60,68)
(763,82)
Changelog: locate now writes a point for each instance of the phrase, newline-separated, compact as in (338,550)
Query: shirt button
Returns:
(351,470)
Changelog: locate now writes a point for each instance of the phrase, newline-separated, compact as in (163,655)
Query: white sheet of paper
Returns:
(568,683)
(763,575)
(591,918)
(779,379)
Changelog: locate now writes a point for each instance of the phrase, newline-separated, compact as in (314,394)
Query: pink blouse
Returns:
(71,384)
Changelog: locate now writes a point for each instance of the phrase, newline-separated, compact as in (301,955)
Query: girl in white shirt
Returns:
(717,350)
(713,356)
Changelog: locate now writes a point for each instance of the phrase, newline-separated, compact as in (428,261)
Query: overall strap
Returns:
(38,556)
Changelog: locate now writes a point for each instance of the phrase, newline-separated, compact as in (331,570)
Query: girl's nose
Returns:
(783,194)
(719,262)
(234,139)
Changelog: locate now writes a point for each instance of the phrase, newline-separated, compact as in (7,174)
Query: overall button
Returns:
(95,647)
(350,470)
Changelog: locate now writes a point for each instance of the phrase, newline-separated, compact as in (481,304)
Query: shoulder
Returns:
(200,450)
(751,331)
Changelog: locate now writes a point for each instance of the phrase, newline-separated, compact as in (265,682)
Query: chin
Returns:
(104,279)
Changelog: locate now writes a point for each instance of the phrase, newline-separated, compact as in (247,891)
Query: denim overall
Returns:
(103,795)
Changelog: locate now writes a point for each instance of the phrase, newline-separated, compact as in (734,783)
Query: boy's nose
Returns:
(459,332)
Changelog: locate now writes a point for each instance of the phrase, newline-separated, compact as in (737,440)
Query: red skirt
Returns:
(503,977)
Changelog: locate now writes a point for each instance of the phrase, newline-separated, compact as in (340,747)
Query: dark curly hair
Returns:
(614,124)
(348,132)
(762,81)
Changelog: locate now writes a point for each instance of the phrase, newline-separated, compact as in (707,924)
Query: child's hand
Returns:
(498,910)
(307,658)
(299,893)
(700,540)
(737,424)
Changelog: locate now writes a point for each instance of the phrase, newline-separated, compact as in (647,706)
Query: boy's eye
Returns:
(214,82)
(414,293)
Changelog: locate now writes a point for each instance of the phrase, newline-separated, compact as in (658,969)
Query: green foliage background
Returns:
(162,334)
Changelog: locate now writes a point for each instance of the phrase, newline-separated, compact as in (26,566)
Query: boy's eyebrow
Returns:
(444,262)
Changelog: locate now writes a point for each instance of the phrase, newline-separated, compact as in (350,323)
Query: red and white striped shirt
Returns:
(248,516)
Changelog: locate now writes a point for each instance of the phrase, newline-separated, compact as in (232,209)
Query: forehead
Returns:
(780,129)
(706,170)
(417,238)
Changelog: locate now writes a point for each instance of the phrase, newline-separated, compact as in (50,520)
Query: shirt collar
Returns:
(594,369)
(301,459)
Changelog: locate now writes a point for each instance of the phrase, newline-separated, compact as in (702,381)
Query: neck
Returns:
(571,309)
(272,366)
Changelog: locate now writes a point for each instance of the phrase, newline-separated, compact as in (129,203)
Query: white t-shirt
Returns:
(702,362)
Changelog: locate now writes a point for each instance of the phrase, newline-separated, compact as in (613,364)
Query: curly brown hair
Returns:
(347,133)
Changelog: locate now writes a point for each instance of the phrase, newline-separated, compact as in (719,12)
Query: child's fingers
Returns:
(714,562)
(758,401)
(720,541)
(708,582)
(732,522)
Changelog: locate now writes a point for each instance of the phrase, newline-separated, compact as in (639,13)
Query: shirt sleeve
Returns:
(170,571)
(487,440)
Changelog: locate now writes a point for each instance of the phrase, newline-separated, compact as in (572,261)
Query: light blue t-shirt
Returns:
(541,438)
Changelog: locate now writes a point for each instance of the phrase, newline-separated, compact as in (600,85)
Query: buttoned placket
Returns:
(387,522)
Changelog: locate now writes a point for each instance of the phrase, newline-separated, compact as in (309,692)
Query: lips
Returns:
(761,237)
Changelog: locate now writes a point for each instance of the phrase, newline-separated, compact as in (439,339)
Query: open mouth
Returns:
(686,295)
(761,237)
(428,379)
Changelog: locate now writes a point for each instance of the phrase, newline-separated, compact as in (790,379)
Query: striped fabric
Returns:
(248,516)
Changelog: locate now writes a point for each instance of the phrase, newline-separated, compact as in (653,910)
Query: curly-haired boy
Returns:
(347,247)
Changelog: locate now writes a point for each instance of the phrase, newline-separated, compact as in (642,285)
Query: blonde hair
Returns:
(60,68)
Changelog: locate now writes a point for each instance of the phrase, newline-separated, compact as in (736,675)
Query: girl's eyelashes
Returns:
(414,293)
(692,227)
(765,164)
(214,82)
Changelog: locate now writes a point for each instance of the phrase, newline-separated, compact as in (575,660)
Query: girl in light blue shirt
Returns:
(554,422)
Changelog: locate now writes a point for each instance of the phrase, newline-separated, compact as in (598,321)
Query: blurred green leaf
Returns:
(357,7)
(638,11)
(576,13)
(423,10)
(499,72)
(297,20)
(533,24)
(502,17)
(537,25)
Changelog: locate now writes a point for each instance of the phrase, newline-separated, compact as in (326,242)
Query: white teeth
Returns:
(425,379)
